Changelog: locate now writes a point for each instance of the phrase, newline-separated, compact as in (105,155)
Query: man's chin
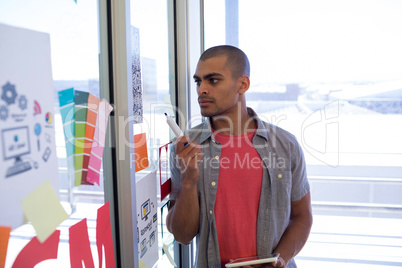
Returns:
(206,113)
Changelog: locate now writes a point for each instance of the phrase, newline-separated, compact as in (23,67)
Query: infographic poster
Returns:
(27,142)
(147,220)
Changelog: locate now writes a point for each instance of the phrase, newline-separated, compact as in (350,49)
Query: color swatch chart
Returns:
(85,119)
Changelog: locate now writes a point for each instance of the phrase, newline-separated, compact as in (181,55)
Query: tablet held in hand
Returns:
(252,260)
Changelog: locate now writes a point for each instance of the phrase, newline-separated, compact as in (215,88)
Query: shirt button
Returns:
(213,183)
(210,212)
(217,157)
(279,176)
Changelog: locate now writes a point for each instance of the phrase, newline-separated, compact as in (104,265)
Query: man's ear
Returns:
(245,84)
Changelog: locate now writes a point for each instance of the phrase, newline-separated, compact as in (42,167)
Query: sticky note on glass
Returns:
(4,237)
(43,209)
(140,152)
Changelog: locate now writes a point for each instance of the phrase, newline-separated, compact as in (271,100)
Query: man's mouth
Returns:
(204,103)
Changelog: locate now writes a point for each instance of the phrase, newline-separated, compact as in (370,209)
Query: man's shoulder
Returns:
(269,130)
(277,133)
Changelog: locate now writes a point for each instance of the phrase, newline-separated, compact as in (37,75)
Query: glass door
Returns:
(153,36)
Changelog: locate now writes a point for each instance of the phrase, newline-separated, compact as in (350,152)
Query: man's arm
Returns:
(297,232)
(183,218)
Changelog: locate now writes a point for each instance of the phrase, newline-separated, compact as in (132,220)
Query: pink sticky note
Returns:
(80,248)
(104,236)
(4,237)
(35,252)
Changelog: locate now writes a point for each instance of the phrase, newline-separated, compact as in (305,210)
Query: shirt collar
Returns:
(261,130)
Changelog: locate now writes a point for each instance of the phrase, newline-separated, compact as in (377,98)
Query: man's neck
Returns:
(235,124)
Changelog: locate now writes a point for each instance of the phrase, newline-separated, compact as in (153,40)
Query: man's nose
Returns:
(202,89)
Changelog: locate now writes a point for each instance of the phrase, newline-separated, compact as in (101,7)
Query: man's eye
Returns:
(197,82)
(213,80)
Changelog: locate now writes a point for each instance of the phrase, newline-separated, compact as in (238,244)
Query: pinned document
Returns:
(27,128)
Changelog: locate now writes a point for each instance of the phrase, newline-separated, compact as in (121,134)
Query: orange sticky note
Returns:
(140,152)
(4,237)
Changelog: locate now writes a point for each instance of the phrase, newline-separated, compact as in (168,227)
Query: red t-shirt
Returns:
(238,196)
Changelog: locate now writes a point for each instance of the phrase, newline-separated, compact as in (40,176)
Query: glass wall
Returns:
(153,40)
(73,29)
(330,73)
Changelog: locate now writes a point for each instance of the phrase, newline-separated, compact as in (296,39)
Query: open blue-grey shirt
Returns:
(284,181)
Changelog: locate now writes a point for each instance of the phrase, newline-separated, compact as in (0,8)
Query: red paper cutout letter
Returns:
(104,236)
(80,248)
(35,252)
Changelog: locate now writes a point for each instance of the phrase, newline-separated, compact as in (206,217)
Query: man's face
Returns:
(218,92)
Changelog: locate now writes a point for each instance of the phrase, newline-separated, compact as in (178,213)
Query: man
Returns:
(238,184)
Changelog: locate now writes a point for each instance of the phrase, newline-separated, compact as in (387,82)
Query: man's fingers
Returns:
(182,142)
(189,153)
(187,148)
(194,156)
(279,263)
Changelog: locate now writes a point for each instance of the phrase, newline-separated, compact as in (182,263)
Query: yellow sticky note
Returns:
(43,209)
(141,264)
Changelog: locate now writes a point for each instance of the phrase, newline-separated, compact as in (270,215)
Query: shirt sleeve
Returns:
(300,184)
(174,172)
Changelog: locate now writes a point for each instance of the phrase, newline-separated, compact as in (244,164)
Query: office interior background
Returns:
(330,72)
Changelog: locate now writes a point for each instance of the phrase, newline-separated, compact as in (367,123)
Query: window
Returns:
(73,29)
(329,72)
